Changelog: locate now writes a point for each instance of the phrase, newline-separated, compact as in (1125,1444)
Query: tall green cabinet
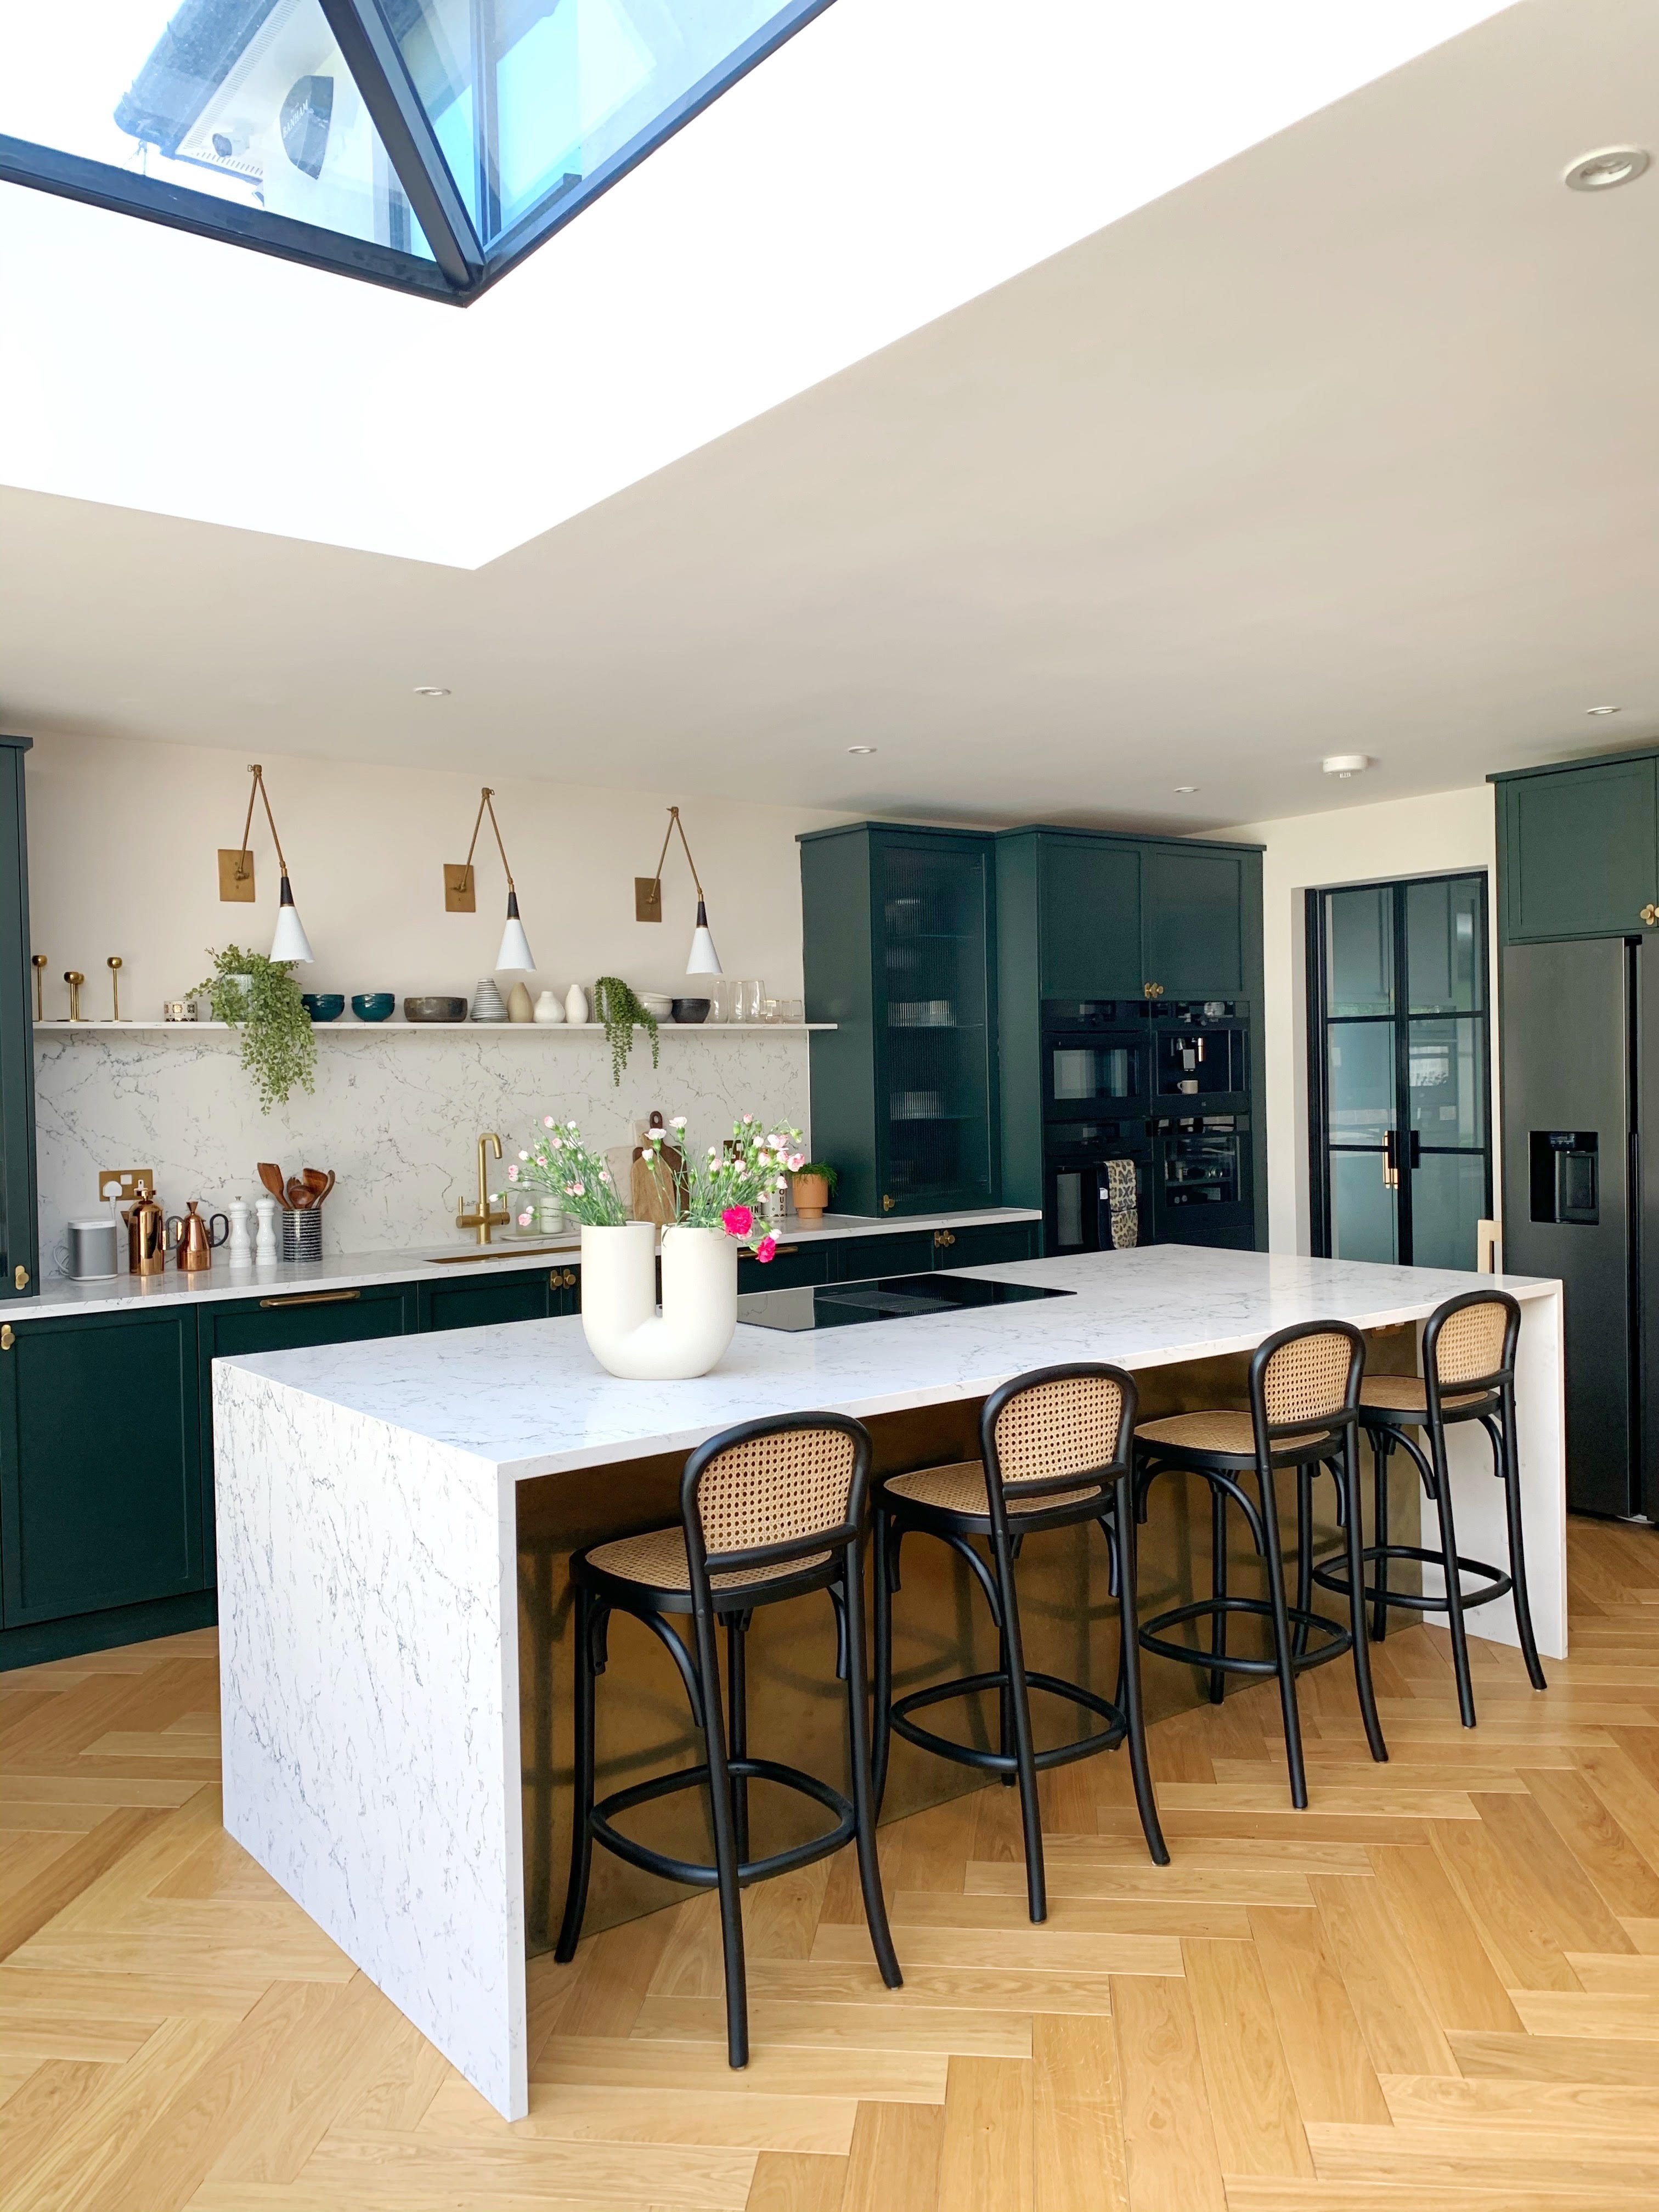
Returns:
(19,1258)
(899,928)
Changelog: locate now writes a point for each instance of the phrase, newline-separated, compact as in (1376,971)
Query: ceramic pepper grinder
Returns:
(265,1254)
(239,1250)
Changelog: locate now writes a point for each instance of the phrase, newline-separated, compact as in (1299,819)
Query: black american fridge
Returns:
(1580,1043)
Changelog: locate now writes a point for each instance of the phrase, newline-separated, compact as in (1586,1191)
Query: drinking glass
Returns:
(750,991)
(721,992)
(793,1012)
(771,1010)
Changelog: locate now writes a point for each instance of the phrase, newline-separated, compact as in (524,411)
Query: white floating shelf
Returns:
(337,1028)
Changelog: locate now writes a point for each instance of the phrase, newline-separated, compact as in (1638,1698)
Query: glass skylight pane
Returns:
(245,101)
(531,99)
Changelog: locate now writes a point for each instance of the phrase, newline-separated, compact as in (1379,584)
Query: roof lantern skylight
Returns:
(428,144)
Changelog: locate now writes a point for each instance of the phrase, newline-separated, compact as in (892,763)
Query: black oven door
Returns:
(1097,1190)
(1087,1073)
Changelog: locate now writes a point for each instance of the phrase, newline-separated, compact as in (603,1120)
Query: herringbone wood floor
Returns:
(1438,1988)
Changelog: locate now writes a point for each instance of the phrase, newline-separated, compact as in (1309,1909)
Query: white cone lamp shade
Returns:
(515,950)
(704,960)
(290,941)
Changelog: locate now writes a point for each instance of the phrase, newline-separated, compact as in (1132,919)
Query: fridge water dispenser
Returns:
(1564,1176)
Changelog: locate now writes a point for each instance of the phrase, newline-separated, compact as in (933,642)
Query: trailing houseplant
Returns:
(620,1010)
(260,998)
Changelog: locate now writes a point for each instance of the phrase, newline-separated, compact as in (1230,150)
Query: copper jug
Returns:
(196,1239)
(147,1235)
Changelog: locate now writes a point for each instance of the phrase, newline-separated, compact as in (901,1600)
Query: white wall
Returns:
(1447,831)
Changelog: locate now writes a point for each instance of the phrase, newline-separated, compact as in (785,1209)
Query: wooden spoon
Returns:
(271,1175)
(318,1183)
(299,1198)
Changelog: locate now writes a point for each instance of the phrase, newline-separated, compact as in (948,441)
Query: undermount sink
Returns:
(494,1252)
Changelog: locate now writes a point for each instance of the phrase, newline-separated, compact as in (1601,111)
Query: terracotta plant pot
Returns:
(812,1195)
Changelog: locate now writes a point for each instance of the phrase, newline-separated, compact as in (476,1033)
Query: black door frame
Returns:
(1319,1103)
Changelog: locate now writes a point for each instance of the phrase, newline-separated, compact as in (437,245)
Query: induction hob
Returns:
(887,1297)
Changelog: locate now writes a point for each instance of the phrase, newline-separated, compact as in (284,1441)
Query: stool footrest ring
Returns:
(998,1762)
(694,1871)
(1338,1635)
(1496,1585)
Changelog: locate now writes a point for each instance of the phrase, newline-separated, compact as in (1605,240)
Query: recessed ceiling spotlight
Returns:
(1604,710)
(1609,166)
(432,692)
(1185,790)
(1345,764)
(861,749)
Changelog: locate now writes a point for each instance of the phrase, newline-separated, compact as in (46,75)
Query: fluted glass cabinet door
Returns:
(935,1100)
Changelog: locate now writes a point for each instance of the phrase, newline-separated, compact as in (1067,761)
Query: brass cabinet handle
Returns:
(943,1240)
(314,1299)
(783,1251)
(562,1278)
(1649,915)
(20,1277)
(888,1202)
(1151,990)
(8,1336)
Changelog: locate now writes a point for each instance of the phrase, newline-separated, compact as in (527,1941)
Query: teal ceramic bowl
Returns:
(323,1005)
(373,1005)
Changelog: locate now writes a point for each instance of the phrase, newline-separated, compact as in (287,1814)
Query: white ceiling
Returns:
(1349,445)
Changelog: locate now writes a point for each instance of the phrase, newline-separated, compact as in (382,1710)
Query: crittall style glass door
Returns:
(1399,1070)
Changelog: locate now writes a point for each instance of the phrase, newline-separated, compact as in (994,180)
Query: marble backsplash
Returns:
(395,1114)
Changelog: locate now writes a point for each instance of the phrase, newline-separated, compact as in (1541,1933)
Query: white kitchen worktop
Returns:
(367,1550)
(369,1270)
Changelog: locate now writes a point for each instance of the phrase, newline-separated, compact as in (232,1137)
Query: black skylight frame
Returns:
(461,270)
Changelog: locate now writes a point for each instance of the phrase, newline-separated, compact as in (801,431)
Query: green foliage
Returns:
(620,1011)
(279,1048)
(832,1176)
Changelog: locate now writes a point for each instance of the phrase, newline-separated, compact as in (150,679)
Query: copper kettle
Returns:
(147,1235)
(195,1237)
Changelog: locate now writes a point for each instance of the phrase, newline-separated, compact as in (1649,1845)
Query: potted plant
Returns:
(622,1011)
(812,1188)
(260,998)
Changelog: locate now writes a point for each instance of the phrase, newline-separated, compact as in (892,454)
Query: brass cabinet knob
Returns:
(563,1278)
(888,1202)
(1151,990)
(20,1277)
(943,1240)
(1650,915)
(7,1337)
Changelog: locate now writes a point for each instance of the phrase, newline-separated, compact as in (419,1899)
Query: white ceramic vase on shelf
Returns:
(575,1005)
(625,1333)
(550,1008)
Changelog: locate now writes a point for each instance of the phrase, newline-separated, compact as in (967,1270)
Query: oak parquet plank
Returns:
(681,2174)
(41,1900)
(1077,1875)
(1461,1984)
(790,2182)
(894,2161)
(1077,2121)
(1526,2056)
(985,2156)
(1252,2106)
(873,2027)
(1513,1914)
(1396,2017)
(1324,2049)
(659,2112)
(1021,1949)
(38,2110)
(1168,2141)
(869,2076)
(911,1910)
(617,1967)
(1583,1818)
(1564,2109)
(1000,1990)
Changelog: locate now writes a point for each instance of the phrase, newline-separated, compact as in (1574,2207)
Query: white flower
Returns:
(604,1174)
(679,1121)
(568,1124)
(780,1183)
(547,1121)
(523,1155)
(747,1119)
(714,1151)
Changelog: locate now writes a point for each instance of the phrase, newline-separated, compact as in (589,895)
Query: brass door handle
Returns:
(888,1202)
(1650,915)
(943,1240)
(8,1337)
(1151,990)
(20,1277)
(562,1278)
(314,1299)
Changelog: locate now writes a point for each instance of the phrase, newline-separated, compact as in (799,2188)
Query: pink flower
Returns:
(512,1175)
(797,1161)
(577,1189)
(737,1221)
(524,1221)
(766,1248)
(547,1121)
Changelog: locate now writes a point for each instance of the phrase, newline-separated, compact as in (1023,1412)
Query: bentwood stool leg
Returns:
(1347,1471)
(1509,1467)
(882,1563)
(1217,1589)
(1382,1453)
(582,1831)
(1019,1704)
(1123,1537)
(737,1726)
(1283,1657)
(1454,1579)
(1304,1475)
(725,1846)
(864,1796)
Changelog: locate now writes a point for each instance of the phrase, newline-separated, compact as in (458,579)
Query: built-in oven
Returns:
(1096,1058)
(1201,1181)
(1201,1051)
(1097,1186)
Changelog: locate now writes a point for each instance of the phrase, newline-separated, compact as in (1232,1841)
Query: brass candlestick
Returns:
(114,964)
(40,967)
(74,978)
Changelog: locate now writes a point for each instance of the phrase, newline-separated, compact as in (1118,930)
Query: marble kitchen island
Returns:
(393,1518)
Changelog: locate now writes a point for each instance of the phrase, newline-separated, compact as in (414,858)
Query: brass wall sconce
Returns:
(236,878)
(461,891)
(114,964)
(39,964)
(75,979)
(647,903)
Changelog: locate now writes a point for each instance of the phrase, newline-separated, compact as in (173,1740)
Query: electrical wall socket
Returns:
(126,1184)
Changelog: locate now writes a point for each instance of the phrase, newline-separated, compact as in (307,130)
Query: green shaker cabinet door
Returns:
(1192,915)
(100,1464)
(522,1296)
(1091,920)
(1581,851)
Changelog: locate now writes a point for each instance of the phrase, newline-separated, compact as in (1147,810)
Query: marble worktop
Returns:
(432,1263)
(529,1398)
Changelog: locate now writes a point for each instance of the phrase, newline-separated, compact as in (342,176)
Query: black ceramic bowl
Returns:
(691,1010)
(434,1009)
(373,1005)
(323,1005)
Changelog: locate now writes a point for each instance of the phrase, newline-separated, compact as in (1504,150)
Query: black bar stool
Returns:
(1469,1375)
(1305,1394)
(1055,1452)
(769,1511)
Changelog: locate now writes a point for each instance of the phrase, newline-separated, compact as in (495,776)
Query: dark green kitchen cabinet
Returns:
(1090,901)
(899,929)
(1579,849)
(1201,912)
(100,1464)
(474,1303)
(19,1266)
(789,1265)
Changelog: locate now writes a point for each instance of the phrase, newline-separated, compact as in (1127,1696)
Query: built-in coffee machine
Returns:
(1147,1132)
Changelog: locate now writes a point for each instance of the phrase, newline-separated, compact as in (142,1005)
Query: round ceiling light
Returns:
(1604,710)
(1185,790)
(862,751)
(432,692)
(1609,166)
(1345,764)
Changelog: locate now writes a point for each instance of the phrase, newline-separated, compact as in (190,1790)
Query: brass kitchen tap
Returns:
(486,1217)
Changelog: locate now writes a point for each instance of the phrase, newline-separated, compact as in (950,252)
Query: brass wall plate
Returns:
(127,1184)
(233,884)
(460,888)
(647,898)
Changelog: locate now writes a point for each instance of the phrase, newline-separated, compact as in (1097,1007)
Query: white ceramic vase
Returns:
(625,1333)
(576,1005)
(550,1008)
